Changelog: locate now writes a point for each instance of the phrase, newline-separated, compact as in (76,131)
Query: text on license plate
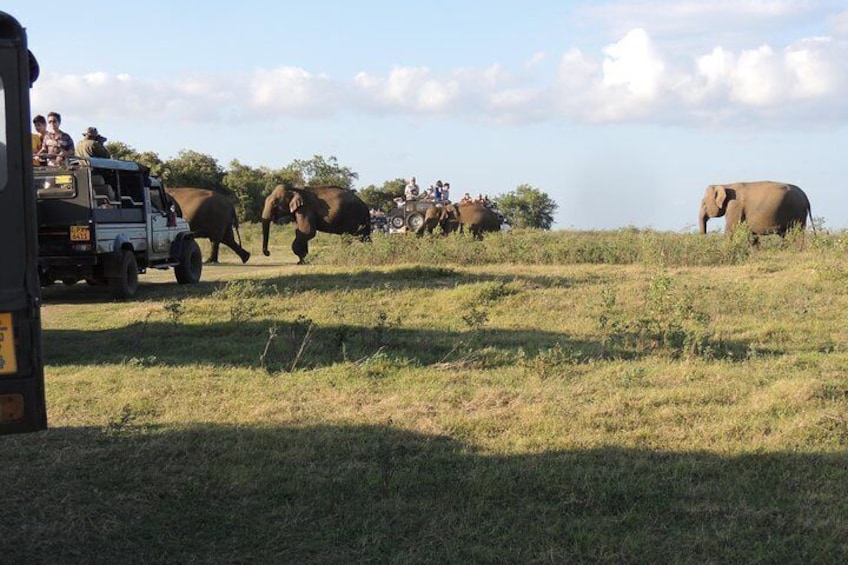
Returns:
(80,233)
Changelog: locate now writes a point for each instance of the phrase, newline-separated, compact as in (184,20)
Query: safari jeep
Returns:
(105,221)
(409,216)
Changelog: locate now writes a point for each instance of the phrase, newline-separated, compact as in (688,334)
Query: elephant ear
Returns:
(721,196)
(296,202)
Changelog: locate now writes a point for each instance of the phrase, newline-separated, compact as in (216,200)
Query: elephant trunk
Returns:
(266,228)
(702,222)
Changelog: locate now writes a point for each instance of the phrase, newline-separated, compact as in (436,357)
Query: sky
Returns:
(621,111)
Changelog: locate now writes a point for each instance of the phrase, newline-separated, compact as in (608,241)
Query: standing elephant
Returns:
(210,214)
(476,218)
(329,209)
(767,207)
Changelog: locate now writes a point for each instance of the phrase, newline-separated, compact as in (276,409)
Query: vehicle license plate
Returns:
(8,361)
(80,233)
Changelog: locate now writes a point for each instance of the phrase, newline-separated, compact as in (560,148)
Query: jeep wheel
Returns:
(191,263)
(397,222)
(415,221)
(125,284)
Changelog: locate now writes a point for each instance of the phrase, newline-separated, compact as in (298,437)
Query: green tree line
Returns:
(525,207)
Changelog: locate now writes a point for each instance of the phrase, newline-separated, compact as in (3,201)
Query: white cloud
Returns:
(291,91)
(759,78)
(412,89)
(814,73)
(634,64)
(632,79)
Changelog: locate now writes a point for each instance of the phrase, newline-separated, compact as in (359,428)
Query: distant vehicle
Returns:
(379,224)
(105,221)
(409,216)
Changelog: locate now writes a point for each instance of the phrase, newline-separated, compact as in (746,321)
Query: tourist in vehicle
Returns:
(91,144)
(466,199)
(57,145)
(437,191)
(446,193)
(429,195)
(411,190)
(40,124)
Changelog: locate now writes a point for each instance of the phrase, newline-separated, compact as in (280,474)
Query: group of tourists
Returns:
(438,192)
(480,199)
(52,146)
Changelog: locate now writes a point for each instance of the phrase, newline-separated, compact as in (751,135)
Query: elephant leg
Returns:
(230,241)
(300,246)
(213,255)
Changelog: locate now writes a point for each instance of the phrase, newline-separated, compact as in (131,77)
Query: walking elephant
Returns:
(210,214)
(476,218)
(767,207)
(329,209)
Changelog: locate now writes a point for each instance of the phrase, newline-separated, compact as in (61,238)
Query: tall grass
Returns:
(620,247)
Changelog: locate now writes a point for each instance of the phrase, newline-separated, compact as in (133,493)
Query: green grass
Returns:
(627,396)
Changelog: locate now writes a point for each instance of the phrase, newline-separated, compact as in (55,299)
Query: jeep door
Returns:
(162,230)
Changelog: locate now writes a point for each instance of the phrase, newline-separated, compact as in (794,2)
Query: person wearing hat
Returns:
(91,144)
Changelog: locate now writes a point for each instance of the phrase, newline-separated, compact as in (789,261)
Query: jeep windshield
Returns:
(55,186)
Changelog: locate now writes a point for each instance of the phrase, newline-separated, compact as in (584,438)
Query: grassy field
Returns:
(627,396)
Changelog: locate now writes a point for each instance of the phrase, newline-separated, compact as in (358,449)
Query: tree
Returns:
(319,170)
(124,152)
(250,186)
(194,170)
(527,207)
(382,197)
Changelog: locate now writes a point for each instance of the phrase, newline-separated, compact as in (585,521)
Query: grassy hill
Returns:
(627,396)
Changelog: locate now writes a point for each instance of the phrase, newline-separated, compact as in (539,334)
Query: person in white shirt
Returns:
(411,190)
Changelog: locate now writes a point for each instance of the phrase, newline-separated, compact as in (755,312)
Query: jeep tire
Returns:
(397,222)
(191,263)
(125,285)
(415,221)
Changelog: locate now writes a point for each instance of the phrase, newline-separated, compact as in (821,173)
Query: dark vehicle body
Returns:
(22,401)
(105,221)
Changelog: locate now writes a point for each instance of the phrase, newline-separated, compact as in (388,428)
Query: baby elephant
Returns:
(767,207)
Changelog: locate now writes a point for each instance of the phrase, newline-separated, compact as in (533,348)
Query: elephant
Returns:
(477,218)
(767,207)
(328,209)
(210,214)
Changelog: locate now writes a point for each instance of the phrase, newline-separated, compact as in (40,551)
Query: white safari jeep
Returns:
(105,221)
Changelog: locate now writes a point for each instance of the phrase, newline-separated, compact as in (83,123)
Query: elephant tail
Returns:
(235,227)
(810,212)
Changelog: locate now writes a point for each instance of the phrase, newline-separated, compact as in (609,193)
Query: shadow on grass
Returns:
(131,493)
(303,279)
(241,344)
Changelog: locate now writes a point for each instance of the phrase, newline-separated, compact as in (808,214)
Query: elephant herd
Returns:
(766,207)
(329,209)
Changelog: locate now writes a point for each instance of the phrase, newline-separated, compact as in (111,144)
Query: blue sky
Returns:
(623,111)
